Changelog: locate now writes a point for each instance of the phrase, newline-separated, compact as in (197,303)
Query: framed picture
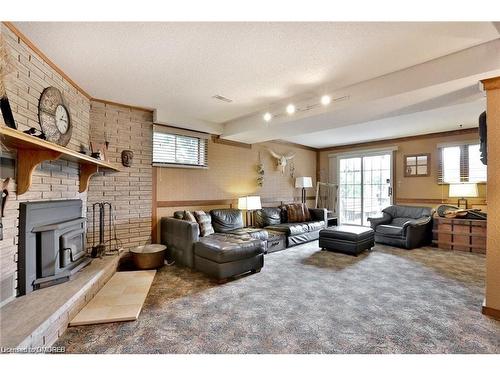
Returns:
(418,165)
(98,150)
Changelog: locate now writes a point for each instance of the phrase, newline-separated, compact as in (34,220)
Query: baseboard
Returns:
(494,313)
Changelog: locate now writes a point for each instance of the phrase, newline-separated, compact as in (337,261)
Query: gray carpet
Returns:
(305,300)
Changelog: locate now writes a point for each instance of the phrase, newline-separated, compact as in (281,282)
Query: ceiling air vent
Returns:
(341,99)
(222,98)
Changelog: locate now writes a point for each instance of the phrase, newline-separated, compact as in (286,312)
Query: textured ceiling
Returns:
(180,66)
(176,68)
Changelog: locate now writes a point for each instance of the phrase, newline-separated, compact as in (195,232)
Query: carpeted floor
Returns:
(305,300)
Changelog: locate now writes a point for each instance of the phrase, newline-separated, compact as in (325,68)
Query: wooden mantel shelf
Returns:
(31,151)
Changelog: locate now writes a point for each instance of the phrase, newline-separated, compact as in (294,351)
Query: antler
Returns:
(274,154)
(290,156)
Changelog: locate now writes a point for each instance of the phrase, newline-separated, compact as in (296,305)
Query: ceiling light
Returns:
(326,99)
(290,109)
(267,117)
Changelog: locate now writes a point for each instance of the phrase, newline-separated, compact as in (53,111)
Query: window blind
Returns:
(460,163)
(179,148)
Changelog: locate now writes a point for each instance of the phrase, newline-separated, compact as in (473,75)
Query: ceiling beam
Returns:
(444,81)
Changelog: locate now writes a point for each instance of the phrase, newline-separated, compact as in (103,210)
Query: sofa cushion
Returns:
(408,211)
(400,221)
(291,229)
(315,225)
(205,222)
(254,233)
(267,216)
(222,248)
(226,219)
(390,230)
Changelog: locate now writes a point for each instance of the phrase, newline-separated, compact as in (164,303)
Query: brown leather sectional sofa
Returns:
(234,249)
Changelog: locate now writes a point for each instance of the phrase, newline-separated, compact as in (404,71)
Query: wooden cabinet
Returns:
(460,234)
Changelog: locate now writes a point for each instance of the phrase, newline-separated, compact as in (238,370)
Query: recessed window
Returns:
(461,163)
(179,148)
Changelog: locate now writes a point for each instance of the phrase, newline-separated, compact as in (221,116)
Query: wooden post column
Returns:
(492,300)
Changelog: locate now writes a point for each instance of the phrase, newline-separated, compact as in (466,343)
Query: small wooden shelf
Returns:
(31,151)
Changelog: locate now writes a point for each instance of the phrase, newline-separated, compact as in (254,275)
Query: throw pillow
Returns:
(188,216)
(205,222)
(179,215)
(295,212)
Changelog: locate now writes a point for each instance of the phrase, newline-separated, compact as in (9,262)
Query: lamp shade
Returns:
(303,182)
(251,202)
(463,190)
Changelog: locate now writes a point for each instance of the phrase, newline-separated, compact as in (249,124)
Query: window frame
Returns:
(464,163)
(181,135)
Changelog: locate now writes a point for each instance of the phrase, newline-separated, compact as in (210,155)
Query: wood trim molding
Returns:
(154,207)
(318,171)
(292,144)
(402,139)
(227,142)
(220,202)
(108,102)
(435,201)
(490,311)
(196,203)
(491,83)
(44,57)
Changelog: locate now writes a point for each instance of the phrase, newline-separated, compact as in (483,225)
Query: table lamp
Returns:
(462,191)
(249,203)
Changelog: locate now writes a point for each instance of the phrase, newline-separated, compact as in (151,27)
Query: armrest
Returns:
(179,236)
(319,214)
(418,232)
(385,219)
(417,222)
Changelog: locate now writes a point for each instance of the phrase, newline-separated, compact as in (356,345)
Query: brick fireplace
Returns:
(130,190)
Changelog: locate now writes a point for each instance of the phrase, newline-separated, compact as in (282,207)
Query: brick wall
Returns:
(51,180)
(129,191)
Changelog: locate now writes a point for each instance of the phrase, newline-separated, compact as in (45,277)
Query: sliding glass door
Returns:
(365,187)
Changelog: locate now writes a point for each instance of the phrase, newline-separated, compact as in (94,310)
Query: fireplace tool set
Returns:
(104,247)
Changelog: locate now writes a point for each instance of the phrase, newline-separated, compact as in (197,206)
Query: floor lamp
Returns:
(303,182)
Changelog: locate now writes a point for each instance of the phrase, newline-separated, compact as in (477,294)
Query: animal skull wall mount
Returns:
(282,160)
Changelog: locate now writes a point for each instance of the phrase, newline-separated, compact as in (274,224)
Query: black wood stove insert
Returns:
(51,243)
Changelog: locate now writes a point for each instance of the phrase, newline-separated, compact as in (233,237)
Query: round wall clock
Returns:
(54,117)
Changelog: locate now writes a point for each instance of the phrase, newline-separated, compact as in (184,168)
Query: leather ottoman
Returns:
(347,239)
(225,255)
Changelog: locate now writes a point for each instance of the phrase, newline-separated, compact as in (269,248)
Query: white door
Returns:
(365,187)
